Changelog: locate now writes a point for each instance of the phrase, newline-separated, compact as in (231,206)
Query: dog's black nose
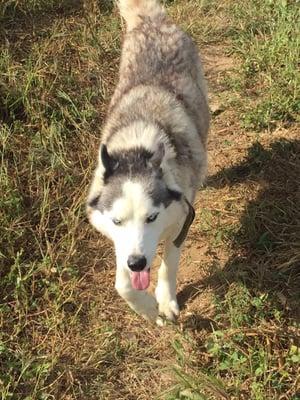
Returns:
(136,263)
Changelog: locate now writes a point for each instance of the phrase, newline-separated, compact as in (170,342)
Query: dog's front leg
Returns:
(166,286)
(140,301)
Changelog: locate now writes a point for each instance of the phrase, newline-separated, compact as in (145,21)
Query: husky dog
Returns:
(152,156)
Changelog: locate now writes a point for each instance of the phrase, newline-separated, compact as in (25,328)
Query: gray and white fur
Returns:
(152,156)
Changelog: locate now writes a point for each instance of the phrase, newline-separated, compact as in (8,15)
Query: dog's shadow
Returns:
(267,245)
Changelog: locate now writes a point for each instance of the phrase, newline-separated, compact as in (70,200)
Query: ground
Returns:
(65,333)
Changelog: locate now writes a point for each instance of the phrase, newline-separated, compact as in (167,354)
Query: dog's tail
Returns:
(133,10)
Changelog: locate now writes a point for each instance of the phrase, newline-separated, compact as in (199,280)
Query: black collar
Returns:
(186,226)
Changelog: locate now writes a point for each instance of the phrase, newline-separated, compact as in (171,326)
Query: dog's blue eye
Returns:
(152,218)
(116,221)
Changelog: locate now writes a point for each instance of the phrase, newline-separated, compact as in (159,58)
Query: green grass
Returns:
(49,114)
(64,332)
(266,39)
(240,360)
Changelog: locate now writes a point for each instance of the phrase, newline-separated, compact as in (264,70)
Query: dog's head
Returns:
(131,203)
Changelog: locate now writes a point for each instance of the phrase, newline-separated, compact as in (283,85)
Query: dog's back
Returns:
(156,52)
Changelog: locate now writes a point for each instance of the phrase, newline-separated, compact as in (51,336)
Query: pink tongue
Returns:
(140,280)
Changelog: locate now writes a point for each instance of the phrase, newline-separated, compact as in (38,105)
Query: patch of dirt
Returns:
(194,296)
(216,61)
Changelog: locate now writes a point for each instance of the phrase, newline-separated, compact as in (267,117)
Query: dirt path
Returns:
(199,254)
(236,185)
(142,341)
(209,250)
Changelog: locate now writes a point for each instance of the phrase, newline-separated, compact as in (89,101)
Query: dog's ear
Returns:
(106,159)
(158,156)
(108,162)
(106,167)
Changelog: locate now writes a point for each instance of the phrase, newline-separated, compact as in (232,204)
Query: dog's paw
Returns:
(167,305)
(168,309)
(149,310)
(167,312)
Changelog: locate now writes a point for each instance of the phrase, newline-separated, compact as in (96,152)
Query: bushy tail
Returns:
(132,10)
